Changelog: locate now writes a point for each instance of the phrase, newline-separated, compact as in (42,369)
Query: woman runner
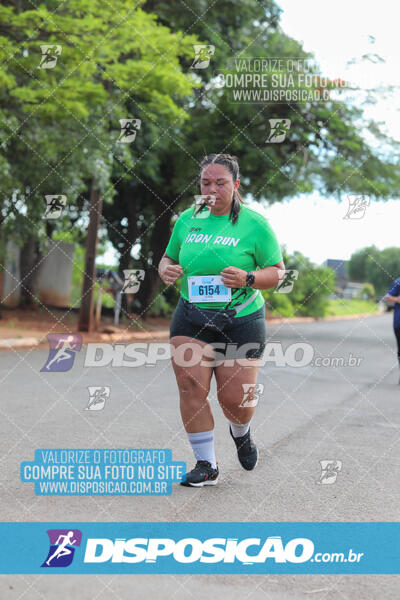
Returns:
(225,253)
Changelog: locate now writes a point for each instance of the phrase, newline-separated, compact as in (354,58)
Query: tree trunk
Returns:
(131,236)
(30,256)
(89,278)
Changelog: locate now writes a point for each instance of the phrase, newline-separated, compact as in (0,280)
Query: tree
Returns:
(357,265)
(112,61)
(368,290)
(377,267)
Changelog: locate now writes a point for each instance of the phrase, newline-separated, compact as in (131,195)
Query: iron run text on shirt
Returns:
(203,238)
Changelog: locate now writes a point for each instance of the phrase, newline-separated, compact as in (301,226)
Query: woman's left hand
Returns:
(233,277)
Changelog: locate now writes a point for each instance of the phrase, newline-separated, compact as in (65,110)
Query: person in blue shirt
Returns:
(393,295)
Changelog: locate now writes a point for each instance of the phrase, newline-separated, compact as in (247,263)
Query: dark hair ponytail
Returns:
(231,163)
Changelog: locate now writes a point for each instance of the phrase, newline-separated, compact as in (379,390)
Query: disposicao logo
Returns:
(62,547)
(190,550)
(63,347)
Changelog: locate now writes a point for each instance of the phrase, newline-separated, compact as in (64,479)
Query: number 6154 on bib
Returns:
(208,288)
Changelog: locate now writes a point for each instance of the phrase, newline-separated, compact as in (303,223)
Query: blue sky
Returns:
(336,32)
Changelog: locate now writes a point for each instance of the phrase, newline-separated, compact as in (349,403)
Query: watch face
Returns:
(250,279)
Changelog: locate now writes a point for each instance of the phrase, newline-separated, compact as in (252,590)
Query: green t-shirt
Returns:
(206,246)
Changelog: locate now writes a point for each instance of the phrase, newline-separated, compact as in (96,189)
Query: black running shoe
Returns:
(202,474)
(246,450)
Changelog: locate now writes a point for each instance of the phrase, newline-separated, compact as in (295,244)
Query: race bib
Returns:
(208,288)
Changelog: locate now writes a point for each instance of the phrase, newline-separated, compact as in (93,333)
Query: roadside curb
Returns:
(18,342)
(160,334)
(272,320)
(111,338)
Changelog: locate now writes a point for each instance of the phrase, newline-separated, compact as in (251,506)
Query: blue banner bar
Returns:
(349,548)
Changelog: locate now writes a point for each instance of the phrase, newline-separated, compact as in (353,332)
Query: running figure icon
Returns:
(62,351)
(63,346)
(62,549)
(63,545)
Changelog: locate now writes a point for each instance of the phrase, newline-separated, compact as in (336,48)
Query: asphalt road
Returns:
(305,415)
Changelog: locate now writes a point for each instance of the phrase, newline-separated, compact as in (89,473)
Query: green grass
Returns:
(350,307)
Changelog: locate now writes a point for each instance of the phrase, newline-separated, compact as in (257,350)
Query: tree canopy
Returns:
(132,60)
(378,267)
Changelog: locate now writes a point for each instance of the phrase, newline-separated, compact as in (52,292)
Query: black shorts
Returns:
(245,338)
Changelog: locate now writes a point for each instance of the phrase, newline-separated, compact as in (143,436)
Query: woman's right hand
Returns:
(171,273)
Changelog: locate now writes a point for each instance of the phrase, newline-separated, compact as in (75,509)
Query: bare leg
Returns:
(193,382)
(230,389)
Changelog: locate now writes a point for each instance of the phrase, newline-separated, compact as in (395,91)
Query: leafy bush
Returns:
(160,307)
(369,290)
(309,294)
(279,304)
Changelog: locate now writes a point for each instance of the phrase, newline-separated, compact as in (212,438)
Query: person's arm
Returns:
(264,279)
(269,277)
(169,270)
(266,249)
(393,293)
(389,298)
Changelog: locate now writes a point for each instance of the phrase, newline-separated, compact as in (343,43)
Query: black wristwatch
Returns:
(250,279)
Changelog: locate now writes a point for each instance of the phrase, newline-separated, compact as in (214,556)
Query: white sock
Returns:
(203,446)
(238,429)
